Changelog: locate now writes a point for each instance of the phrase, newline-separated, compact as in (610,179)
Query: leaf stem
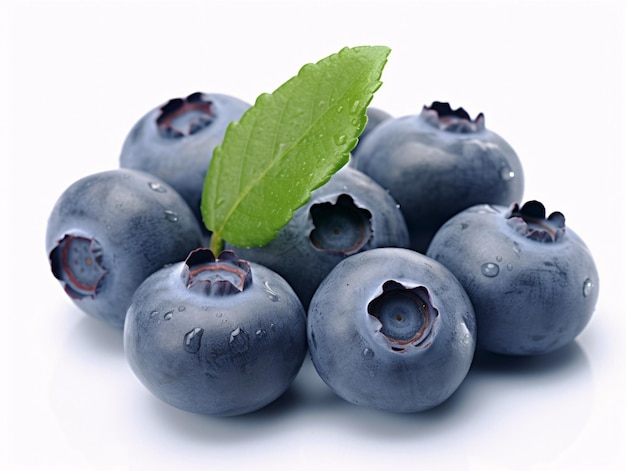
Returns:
(217,244)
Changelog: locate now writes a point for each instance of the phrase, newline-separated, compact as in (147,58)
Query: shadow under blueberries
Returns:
(94,335)
(492,373)
(568,357)
(227,430)
(254,426)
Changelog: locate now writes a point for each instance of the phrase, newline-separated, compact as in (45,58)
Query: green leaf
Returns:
(287,145)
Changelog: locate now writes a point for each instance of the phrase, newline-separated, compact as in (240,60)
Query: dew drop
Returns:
(368,353)
(509,267)
(490,269)
(191,341)
(507,174)
(355,106)
(464,333)
(270,293)
(154,314)
(498,258)
(171,215)
(340,139)
(154,186)
(234,334)
(239,341)
(587,287)
(218,315)
(181,308)
(168,315)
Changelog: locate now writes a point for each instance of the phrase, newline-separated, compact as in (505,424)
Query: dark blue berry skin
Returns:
(109,231)
(532,281)
(438,163)
(217,337)
(375,116)
(391,329)
(349,214)
(175,141)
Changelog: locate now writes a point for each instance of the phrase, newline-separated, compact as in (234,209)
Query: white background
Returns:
(548,75)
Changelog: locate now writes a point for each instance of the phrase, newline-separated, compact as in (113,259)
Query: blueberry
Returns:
(375,116)
(175,141)
(532,281)
(438,163)
(349,214)
(215,336)
(391,329)
(108,231)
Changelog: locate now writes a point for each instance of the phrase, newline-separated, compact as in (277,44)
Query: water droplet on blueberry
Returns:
(587,287)
(168,315)
(170,215)
(507,174)
(239,341)
(270,293)
(191,341)
(369,354)
(154,186)
(490,269)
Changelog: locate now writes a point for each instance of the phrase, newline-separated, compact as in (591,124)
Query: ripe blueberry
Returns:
(532,281)
(438,163)
(215,336)
(175,141)
(375,116)
(391,329)
(108,231)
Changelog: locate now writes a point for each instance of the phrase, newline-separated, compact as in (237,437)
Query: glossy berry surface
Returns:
(375,116)
(391,329)
(109,231)
(349,214)
(175,141)
(215,336)
(438,163)
(532,280)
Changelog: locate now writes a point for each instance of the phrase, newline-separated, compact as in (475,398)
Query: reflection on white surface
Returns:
(510,413)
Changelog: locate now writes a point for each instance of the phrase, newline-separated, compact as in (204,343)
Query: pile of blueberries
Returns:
(411,258)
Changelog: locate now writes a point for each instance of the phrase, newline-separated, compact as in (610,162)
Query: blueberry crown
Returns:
(530,221)
(226,274)
(441,115)
(181,117)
